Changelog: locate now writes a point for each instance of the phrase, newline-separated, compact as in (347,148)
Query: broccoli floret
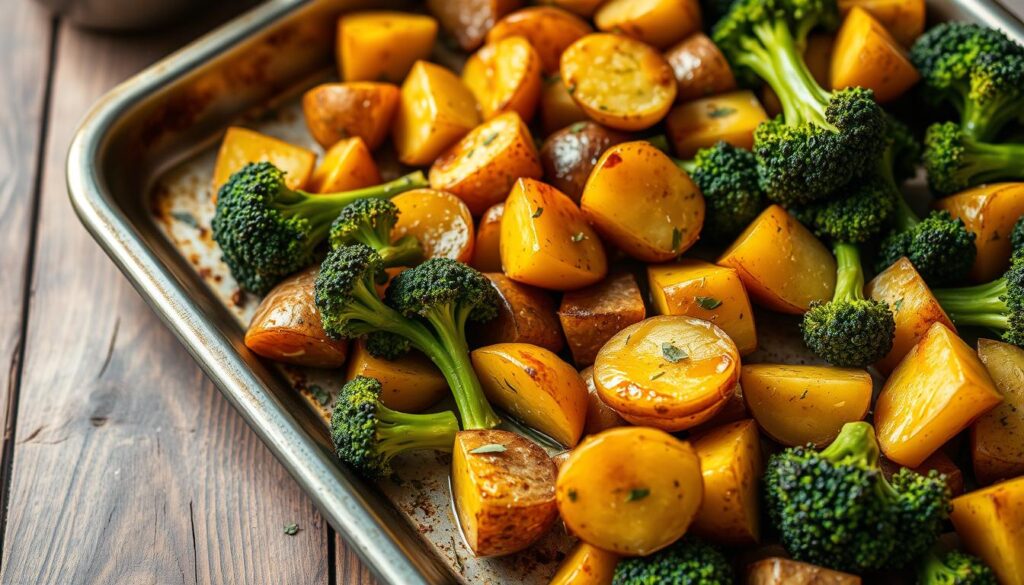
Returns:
(998,305)
(447,295)
(367,434)
(835,508)
(823,140)
(854,217)
(850,330)
(955,161)
(267,231)
(688,561)
(370,222)
(979,70)
(727,177)
(1017,236)
(954,568)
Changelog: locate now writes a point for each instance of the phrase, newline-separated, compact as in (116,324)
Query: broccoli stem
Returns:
(398,431)
(982,121)
(856,443)
(988,162)
(849,272)
(983,305)
(367,308)
(404,251)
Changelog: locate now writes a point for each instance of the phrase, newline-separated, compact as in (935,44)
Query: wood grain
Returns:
(129,467)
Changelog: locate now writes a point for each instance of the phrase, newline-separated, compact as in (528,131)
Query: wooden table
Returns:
(121,463)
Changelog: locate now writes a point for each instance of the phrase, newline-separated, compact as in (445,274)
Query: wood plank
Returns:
(129,467)
(350,570)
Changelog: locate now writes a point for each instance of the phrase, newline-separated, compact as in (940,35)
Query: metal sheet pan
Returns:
(138,173)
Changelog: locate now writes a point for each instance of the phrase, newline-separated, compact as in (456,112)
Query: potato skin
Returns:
(469,20)
(700,68)
(439,220)
(526,314)
(866,55)
(781,571)
(592,315)
(334,111)
(600,416)
(904,19)
(990,212)
(655,22)
(505,76)
(586,565)
(506,500)
(569,155)
(487,247)
(997,437)
(410,383)
(549,29)
(732,117)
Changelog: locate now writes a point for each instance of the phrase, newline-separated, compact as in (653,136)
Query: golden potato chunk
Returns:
(382,45)
(706,291)
(671,372)
(642,202)
(584,8)
(469,20)
(410,383)
(505,76)
(780,571)
(435,110)
(731,463)
(557,108)
(549,29)
(866,55)
(535,386)
(487,247)
(592,315)
(731,117)
(782,265)
(569,155)
(504,490)
(482,166)
(546,240)
(363,109)
(600,416)
(997,437)
(619,82)
(796,404)
(990,212)
(990,523)
(242,146)
(440,221)
(526,314)
(630,490)
(700,67)
(903,18)
(347,165)
(938,389)
(586,565)
(655,22)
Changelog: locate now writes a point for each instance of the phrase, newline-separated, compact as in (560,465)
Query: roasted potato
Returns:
(382,46)
(796,404)
(990,523)
(550,30)
(780,571)
(732,464)
(642,202)
(586,565)
(584,8)
(731,117)
(700,68)
(782,265)
(600,416)
(487,247)
(242,146)
(569,155)
(990,212)
(362,109)
(482,166)
(469,20)
(619,82)
(440,221)
(671,372)
(904,19)
(557,108)
(286,326)
(535,386)
(504,490)
(706,291)
(591,316)
(546,240)
(866,55)
(997,437)
(411,383)
(525,315)
(435,110)
(347,165)
(655,22)
(938,389)
(505,76)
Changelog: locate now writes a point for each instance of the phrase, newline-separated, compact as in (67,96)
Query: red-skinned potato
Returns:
(569,155)
(334,111)
(526,314)
(487,248)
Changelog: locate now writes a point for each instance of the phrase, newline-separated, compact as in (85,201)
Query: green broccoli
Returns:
(1017,236)
(370,222)
(835,508)
(727,177)
(367,434)
(856,216)
(350,307)
(955,161)
(954,568)
(688,561)
(997,305)
(267,231)
(823,140)
(850,330)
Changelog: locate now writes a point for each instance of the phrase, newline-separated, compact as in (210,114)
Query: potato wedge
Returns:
(584,8)
(706,291)
(487,247)
(796,405)
(938,389)
(990,523)
(866,55)
(639,200)
(732,464)
(546,240)
(363,109)
(504,490)
(557,108)
(735,410)
(600,416)
(913,306)
(780,571)
(383,45)
(904,19)
(411,383)
(569,155)
(242,146)
(619,82)
(592,315)
(440,221)
(549,29)
(782,265)
(997,437)
(586,565)
(700,67)
(469,20)
(435,110)
(525,315)
(346,165)
(990,212)
(505,76)
(701,123)
(630,490)
(672,372)
(656,22)
(286,326)
(482,166)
